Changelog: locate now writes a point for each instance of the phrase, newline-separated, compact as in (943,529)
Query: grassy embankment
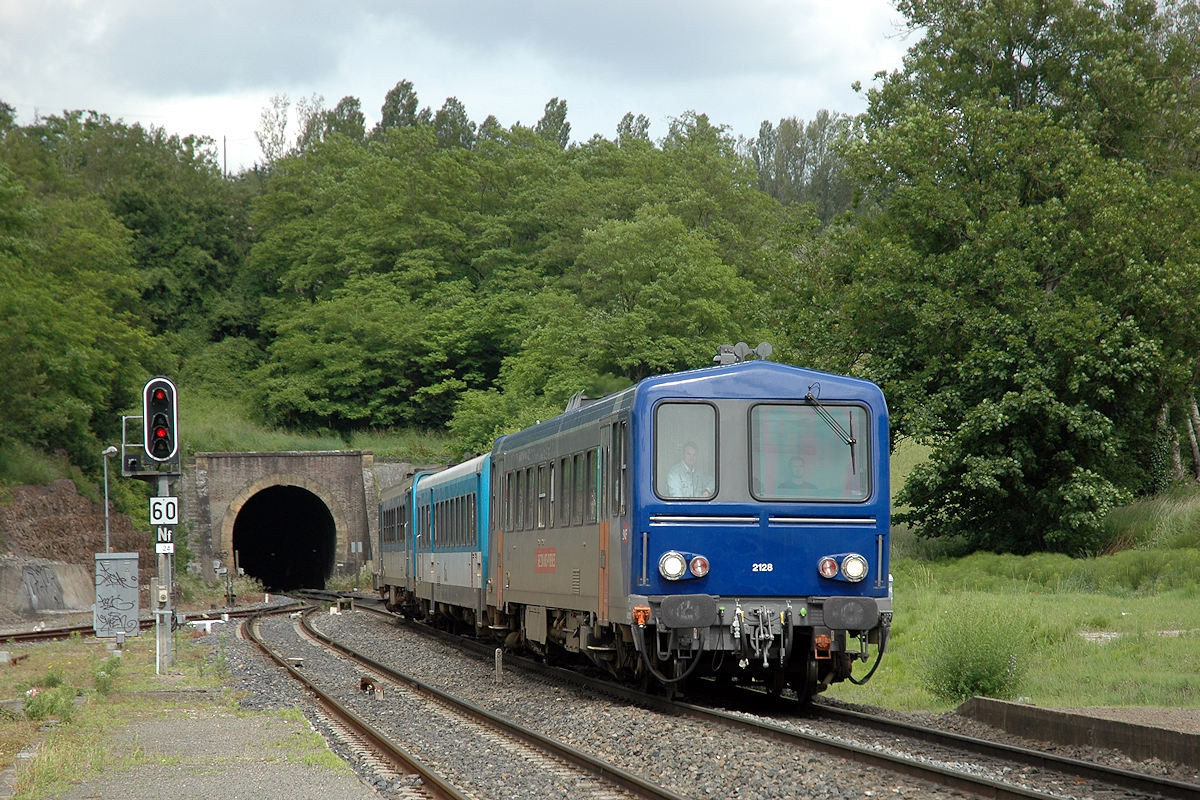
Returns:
(1121,629)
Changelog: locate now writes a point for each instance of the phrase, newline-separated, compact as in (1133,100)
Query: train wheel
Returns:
(804,681)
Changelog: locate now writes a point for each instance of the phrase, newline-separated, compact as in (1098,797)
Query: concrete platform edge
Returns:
(1136,741)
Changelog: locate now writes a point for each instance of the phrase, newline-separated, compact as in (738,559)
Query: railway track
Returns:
(953,761)
(67,631)
(456,748)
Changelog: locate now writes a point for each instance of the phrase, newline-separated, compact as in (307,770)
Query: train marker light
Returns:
(699,566)
(160,419)
(828,567)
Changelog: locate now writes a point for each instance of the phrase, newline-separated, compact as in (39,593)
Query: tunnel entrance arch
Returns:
(285,536)
(285,532)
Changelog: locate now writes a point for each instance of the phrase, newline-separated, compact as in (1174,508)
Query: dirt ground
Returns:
(56,523)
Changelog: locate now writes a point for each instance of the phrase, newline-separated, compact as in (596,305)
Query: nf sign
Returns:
(164,539)
(164,511)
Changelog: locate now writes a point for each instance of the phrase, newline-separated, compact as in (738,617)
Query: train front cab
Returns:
(766,558)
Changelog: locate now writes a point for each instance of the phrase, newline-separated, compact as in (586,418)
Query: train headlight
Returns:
(854,567)
(699,566)
(672,565)
(828,567)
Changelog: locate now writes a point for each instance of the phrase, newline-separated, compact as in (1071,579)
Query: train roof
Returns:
(469,467)
(748,380)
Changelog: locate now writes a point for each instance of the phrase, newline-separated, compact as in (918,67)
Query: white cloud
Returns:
(210,67)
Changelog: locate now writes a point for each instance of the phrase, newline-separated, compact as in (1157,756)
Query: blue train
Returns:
(727,522)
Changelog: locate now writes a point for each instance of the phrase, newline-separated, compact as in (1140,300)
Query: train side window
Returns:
(685,451)
(543,496)
(444,528)
(620,430)
(530,499)
(519,501)
(593,500)
(580,490)
(455,522)
(435,525)
(564,469)
(472,526)
(553,499)
(505,511)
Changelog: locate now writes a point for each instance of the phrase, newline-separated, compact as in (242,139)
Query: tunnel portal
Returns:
(286,537)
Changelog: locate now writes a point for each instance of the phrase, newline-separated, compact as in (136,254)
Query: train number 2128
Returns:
(763,567)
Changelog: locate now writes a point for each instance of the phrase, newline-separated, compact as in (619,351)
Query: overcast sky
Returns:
(210,68)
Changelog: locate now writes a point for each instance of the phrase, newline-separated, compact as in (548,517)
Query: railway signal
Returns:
(160,416)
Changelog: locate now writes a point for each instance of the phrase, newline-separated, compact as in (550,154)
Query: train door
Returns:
(614,518)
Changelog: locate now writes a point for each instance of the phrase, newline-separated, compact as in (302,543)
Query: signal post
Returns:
(160,448)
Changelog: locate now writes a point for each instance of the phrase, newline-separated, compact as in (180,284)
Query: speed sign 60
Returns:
(164,510)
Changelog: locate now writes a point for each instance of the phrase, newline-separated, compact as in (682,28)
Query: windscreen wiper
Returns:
(848,438)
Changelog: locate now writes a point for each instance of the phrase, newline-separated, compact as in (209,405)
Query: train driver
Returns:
(687,479)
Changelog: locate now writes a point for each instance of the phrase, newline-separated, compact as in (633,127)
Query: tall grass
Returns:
(1168,520)
(213,424)
(21,464)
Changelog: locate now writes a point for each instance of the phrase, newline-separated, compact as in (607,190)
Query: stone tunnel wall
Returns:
(217,485)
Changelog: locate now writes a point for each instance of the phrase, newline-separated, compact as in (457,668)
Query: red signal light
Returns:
(160,414)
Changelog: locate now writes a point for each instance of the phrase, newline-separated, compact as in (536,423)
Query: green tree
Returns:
(633,129)
(399,110)
(1021,292)
(74,347)
(553,125)
(452,126)
(799,162)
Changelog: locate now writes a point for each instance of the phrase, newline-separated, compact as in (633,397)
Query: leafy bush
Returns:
(42,703)
(51,680)
(976,649)
(103,675)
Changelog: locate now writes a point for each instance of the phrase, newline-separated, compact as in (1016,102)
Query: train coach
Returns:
(728,522)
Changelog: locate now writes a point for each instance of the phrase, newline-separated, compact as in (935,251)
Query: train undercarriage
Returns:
(672,644)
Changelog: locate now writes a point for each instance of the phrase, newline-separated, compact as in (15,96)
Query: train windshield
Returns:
(796,454)
(686,451)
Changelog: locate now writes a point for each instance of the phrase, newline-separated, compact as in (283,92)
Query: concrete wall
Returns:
(34,584)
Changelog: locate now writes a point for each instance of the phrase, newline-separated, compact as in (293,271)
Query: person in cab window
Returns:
(687,479)
(797,482)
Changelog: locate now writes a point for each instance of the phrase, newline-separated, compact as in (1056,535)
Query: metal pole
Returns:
(108,451)
(162,611)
